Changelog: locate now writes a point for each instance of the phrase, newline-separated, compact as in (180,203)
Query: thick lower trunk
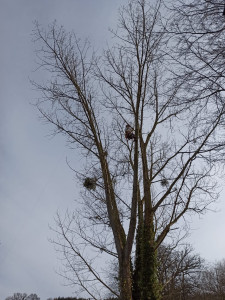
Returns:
(151,287)
(138,272)
(145,279)
(125,281)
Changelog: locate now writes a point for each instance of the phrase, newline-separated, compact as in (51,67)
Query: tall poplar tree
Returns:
(134,190)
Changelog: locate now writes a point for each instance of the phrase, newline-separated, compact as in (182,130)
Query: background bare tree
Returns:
(179,272)
(142,186)
(213,281)
(23,296)
(17,296)
(199,27)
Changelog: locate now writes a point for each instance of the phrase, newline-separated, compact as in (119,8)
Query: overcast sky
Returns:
(35,180)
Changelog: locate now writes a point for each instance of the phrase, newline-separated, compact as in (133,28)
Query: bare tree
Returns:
(199,27)
(179,272)
(23,296)
(213,281)
(144,184)
(17,296)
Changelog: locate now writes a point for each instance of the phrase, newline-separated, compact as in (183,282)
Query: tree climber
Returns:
(129,135)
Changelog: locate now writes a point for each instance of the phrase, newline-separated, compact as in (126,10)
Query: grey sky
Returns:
(35,181)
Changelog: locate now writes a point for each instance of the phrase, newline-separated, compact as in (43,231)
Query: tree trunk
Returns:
(138,272)
(125,281)
(151,287)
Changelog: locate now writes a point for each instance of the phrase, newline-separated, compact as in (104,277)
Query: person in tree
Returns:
(129,135)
